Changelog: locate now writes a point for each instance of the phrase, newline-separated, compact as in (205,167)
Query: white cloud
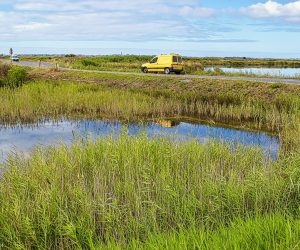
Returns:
(30,6)
(32,26)
(94,5)
(86,26)
(101,19)
(111,20)
(273,9)
(188,11)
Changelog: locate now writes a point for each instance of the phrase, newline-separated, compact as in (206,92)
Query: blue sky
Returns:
(251,28)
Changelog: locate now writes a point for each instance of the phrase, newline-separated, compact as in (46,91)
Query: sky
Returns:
(250,28)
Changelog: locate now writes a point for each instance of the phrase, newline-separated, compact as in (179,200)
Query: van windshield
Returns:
(179,59)
(175,59)
(154,60)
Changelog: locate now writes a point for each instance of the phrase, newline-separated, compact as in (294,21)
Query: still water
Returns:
(284,72)
(25,138)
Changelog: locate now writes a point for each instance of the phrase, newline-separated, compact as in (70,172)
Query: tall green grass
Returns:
(268,232)
(128,189)
(48,99)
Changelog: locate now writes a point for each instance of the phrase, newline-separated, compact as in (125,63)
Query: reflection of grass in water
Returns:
(259,106)
(53,132)
(132,188)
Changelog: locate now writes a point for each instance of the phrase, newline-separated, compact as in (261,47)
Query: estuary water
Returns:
(284,72)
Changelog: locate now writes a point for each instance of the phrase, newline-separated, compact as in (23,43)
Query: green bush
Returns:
(16,76)
(88,63)
(218,71)
(276,85)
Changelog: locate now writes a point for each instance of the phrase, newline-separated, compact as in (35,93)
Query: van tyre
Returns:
(167,71)
(145,70)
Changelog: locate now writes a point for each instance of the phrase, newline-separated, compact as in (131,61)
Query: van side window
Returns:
(179,59)
(175,59)
(154,60)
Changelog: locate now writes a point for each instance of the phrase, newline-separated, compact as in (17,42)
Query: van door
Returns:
(153,64)
(177,63)
(175,60)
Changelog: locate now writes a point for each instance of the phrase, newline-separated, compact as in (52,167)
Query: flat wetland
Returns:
(138,189)
(252,67)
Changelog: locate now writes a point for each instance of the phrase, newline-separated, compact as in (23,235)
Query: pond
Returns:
(24,138)
(280,72)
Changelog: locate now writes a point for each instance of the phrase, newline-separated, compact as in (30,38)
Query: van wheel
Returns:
(167,71)
(178,73)
(145,70)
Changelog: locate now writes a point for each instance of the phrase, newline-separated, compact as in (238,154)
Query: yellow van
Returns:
(164,63)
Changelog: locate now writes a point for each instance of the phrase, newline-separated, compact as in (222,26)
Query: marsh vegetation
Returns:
(135,190)
(130,63)
(149,193)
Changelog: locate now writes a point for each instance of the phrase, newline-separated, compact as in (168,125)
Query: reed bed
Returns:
(268,232)
(40,99)
(133,190)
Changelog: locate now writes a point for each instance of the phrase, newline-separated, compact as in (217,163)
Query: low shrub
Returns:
(88,63)
(276,85)
(218,71)
(16,76)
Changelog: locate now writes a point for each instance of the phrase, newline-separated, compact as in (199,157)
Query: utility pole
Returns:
(11,52)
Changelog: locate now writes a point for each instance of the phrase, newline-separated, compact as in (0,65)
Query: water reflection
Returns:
(25,138)
(167,123)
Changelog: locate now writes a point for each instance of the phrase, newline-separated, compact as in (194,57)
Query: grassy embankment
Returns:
(192,65)
(141,193)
